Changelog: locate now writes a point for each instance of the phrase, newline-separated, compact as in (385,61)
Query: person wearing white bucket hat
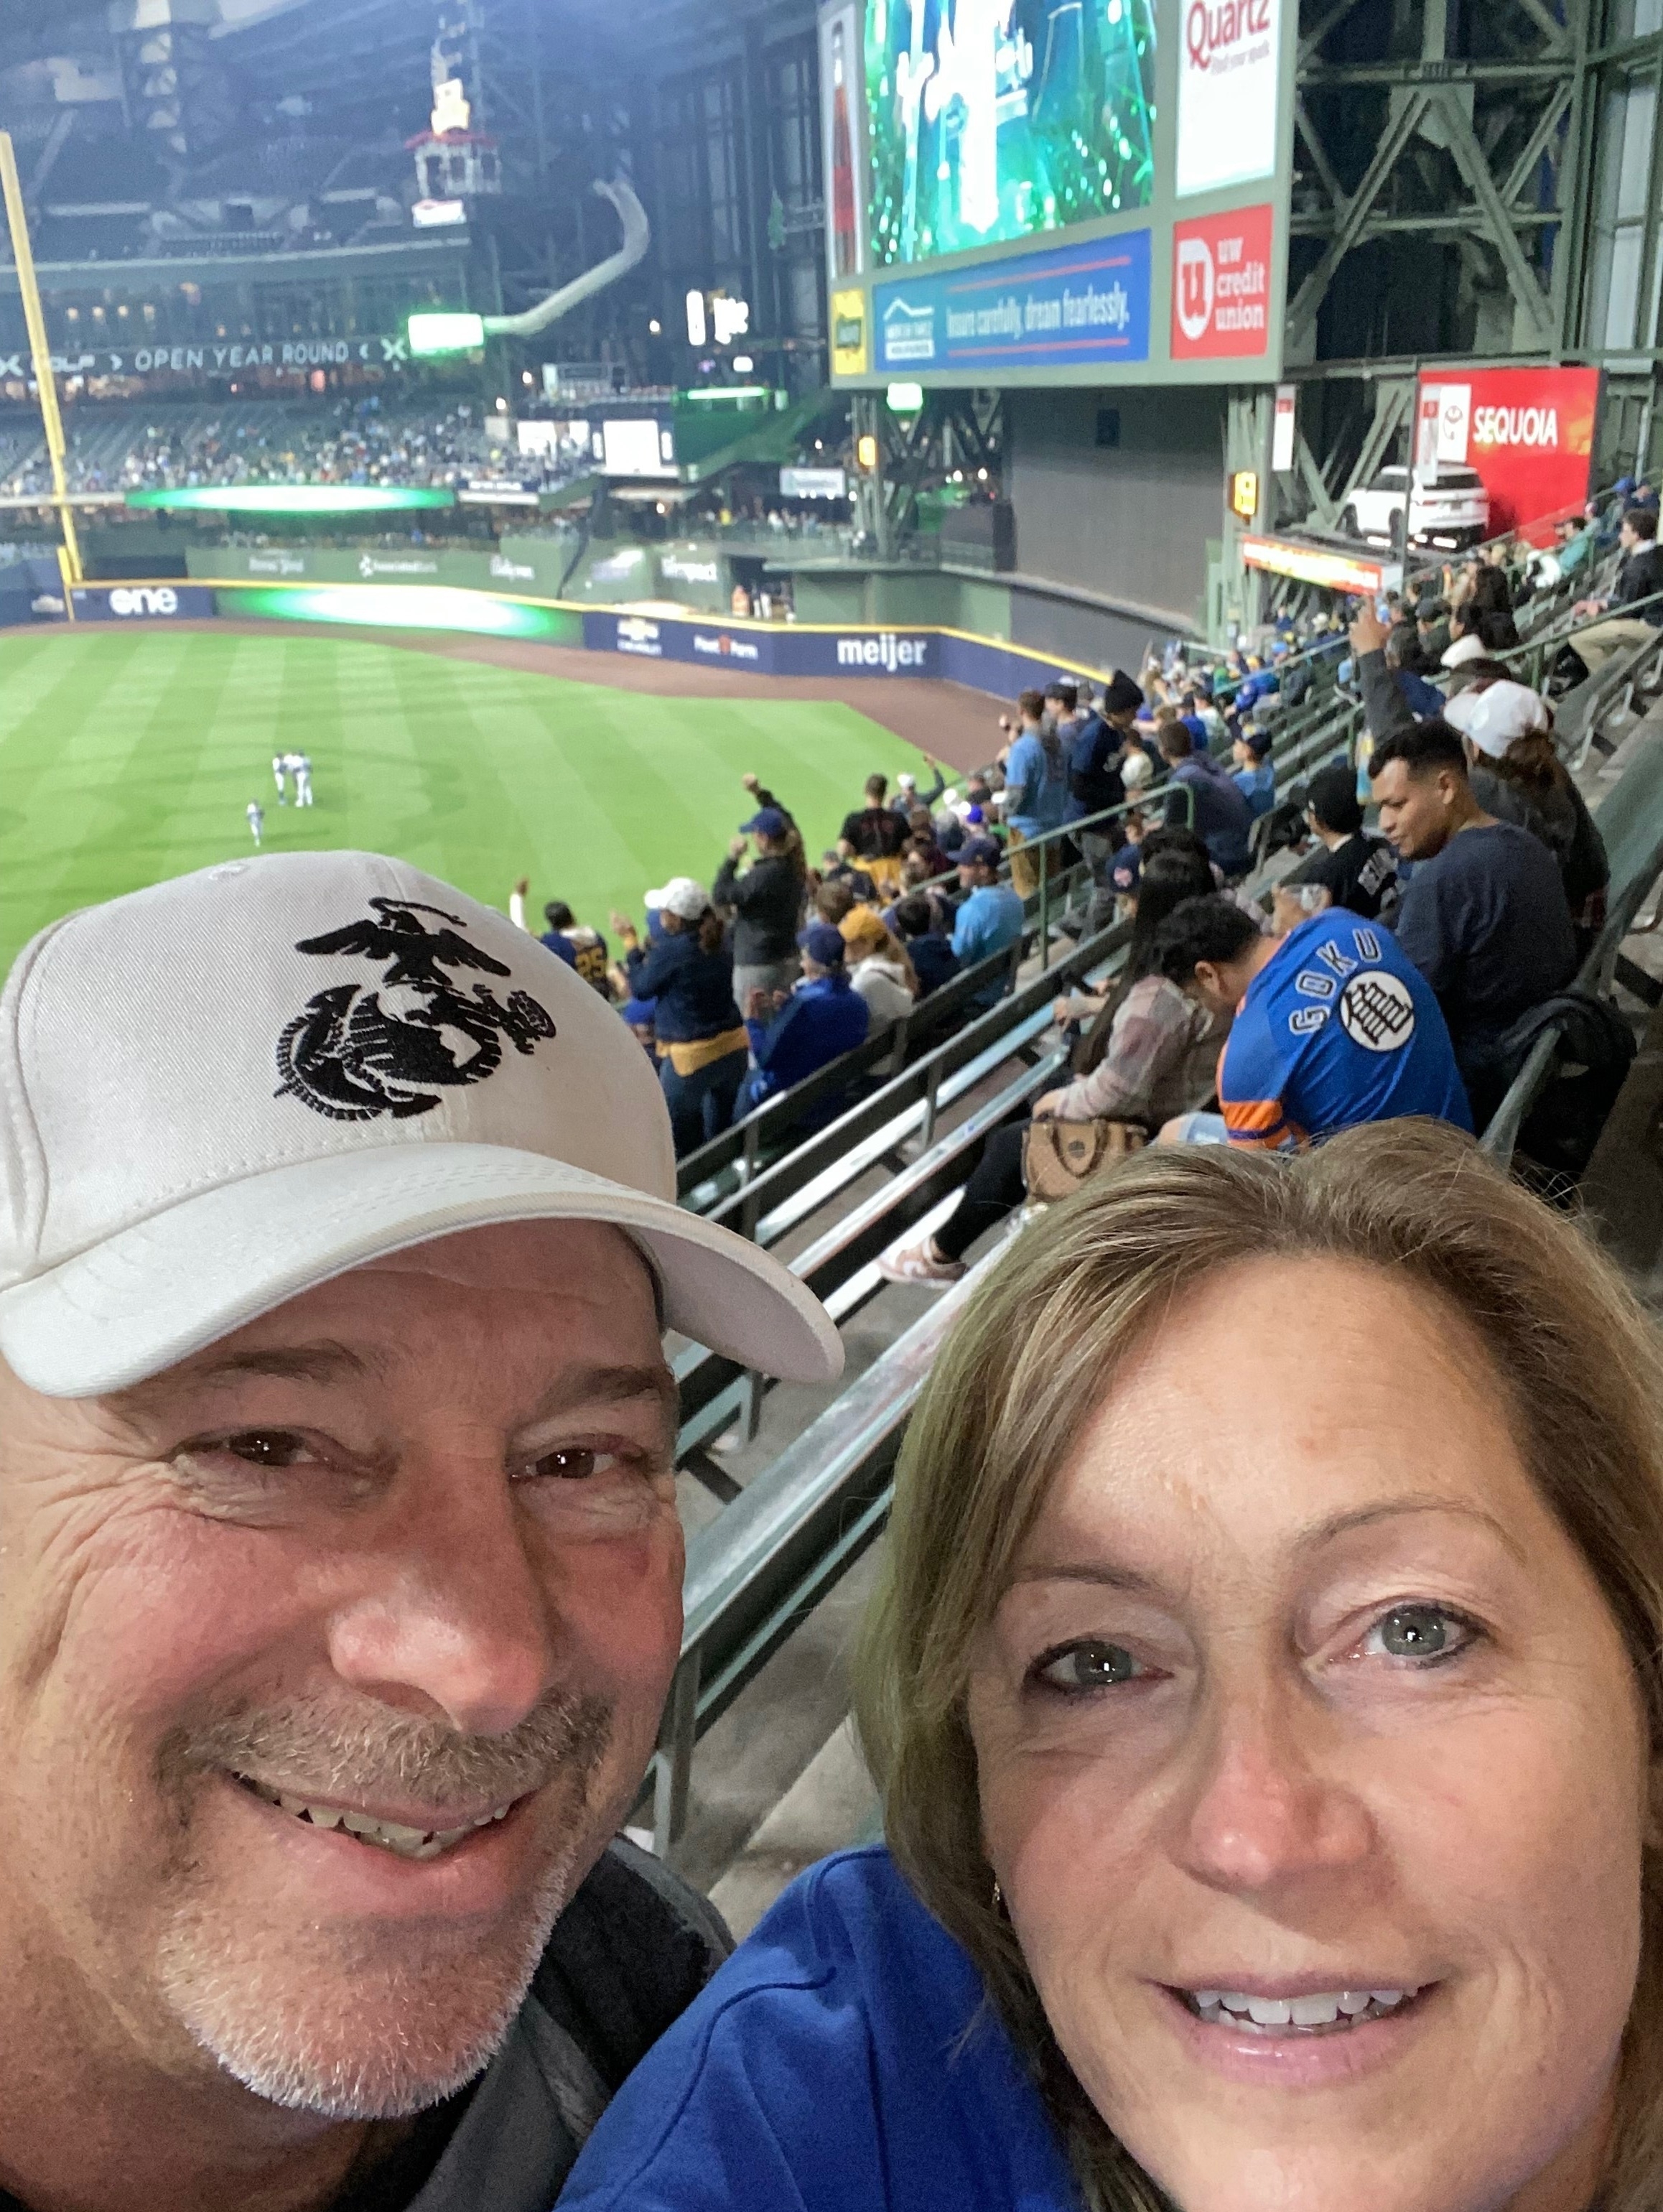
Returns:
(339,1559)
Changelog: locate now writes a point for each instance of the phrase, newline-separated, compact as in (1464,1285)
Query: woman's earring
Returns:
(999,1895)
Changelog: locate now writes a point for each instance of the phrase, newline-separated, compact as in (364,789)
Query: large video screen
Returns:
(996,119)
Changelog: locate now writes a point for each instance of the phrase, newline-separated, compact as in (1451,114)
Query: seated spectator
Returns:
(703,1051)
(766,903)
(934,961)
(1254,776)
(1639,577)
(923,839)
(1513,771)
(1333,1026)
(1221,816)
(1483,915)
(874,836)
(990,919)
(1517,777)
(1432,623)
(879,969)
(1035,787)
(793,1034)
(1157,1054)
(1357,870)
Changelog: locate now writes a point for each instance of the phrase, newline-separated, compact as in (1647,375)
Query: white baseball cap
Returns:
(1495,714)
(219,1092)
(681,896)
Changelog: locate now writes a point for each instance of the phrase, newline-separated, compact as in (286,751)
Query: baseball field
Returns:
(128,755)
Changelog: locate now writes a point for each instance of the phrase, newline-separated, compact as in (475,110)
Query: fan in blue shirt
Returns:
(1334,1024)
(844,2059)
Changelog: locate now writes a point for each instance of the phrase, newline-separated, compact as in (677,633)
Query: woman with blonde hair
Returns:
(880,969)
(1264,1691)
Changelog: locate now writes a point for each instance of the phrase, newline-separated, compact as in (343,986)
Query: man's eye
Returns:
(1422,1634)
(1087,1665)
(575,1463)
(268,1447)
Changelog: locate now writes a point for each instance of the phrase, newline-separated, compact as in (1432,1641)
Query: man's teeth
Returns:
(1330,2008)
(404,1843)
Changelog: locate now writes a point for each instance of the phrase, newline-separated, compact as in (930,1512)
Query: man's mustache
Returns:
(318,1751)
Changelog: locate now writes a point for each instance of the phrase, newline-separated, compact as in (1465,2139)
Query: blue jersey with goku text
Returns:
(1338,1027)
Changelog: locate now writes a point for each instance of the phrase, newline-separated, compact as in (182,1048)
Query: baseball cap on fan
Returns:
(682,897)
(222,1090)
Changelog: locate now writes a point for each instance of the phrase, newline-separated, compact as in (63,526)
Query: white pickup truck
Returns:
(1452,511)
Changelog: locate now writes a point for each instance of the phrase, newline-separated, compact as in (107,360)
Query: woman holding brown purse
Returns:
(1160,1050)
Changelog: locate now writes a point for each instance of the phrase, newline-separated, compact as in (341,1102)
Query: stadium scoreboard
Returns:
(1056,191)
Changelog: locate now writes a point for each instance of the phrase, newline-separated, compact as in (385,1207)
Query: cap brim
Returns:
(154,1293)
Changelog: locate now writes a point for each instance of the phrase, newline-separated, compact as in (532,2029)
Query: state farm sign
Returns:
(1527,432)
(1221,285)
(1229,79)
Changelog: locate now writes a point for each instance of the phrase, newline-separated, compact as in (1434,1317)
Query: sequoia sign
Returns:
(1527,432)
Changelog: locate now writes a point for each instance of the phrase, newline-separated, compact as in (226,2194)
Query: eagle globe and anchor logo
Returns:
(360,1050)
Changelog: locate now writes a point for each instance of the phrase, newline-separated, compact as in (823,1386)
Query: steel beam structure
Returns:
(1455,194)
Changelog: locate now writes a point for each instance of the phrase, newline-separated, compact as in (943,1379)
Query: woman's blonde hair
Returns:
(1028,1364)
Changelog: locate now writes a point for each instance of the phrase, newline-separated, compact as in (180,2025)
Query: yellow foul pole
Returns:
(46,384)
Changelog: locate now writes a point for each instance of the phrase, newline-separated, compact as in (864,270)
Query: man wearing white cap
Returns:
(339,1559)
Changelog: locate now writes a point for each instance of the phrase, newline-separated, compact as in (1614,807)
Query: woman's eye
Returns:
(1087,1665)
(1423,1632)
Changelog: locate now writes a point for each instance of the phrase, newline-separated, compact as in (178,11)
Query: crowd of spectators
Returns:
(1390,973)
(356,442)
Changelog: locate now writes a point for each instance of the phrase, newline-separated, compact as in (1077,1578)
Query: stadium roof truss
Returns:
(1468,183)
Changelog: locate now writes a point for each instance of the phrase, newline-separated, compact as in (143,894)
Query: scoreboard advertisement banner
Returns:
(1090,302)
(1054,192)
(1527,432)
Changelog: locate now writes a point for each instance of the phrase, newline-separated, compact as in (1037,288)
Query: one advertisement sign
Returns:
(1528,433)
(1073,307)
(143,602)
(1221,286)
(1229,84)
(843,131)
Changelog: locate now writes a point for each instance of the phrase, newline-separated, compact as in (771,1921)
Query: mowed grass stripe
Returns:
(129,757)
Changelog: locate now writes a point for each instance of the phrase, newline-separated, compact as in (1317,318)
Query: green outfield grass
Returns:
(130,756)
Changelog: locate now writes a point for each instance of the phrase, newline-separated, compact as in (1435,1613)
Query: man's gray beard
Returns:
(438,2018)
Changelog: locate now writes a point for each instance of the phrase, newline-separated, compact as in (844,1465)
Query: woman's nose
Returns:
(1265,1807)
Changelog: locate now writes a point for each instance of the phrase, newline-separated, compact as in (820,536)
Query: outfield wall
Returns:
(927,651)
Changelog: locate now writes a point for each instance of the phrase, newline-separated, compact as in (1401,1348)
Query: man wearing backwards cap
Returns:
(340,1567)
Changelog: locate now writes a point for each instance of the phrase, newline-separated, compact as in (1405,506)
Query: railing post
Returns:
(1045,908)
(673,1760)
(931,1085)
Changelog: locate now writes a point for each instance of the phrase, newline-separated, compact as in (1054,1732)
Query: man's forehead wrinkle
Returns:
(326,1360)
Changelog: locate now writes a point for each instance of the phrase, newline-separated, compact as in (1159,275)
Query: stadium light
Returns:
(865,452)
(294,499)
(905,398)
(431,334)
(727,392)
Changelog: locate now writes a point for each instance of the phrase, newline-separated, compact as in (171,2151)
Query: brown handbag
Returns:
(1058,1157)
